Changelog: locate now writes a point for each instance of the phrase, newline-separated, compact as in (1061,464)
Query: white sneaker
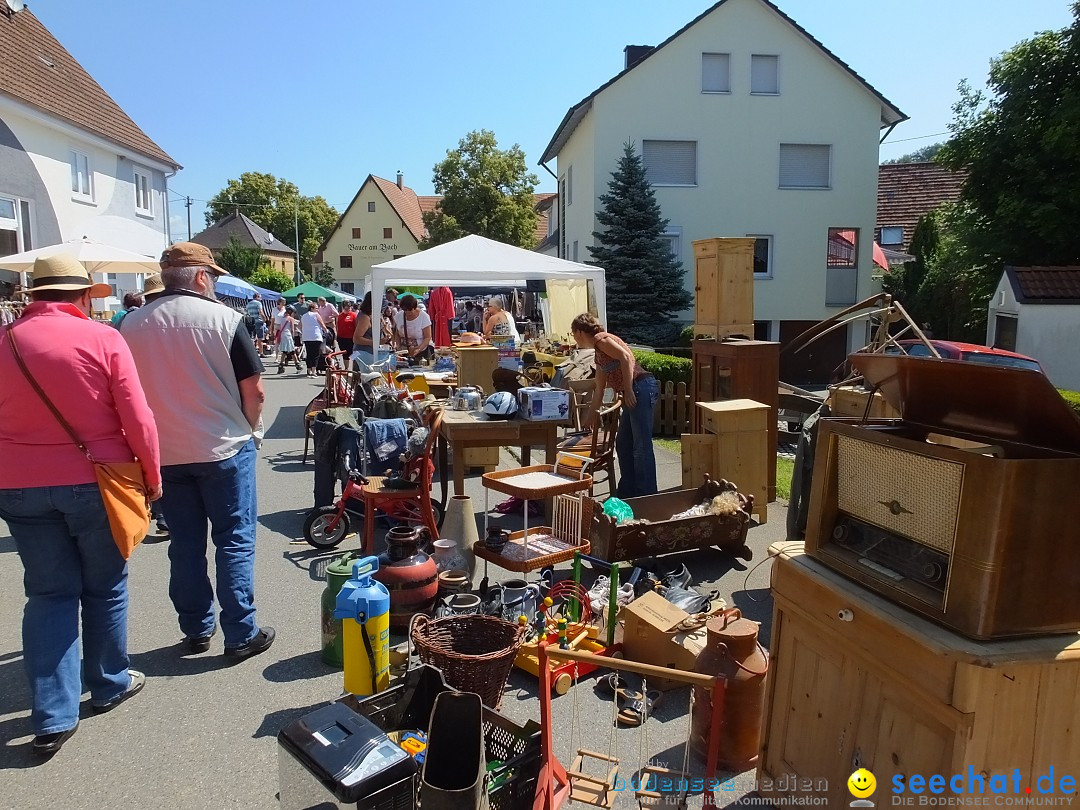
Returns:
(599,594)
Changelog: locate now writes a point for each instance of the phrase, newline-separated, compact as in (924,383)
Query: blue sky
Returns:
(325,92)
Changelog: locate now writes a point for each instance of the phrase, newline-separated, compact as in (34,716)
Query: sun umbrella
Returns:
(94,256)
(233,286)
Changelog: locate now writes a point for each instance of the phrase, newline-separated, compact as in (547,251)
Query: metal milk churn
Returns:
(337,574)
(732,650)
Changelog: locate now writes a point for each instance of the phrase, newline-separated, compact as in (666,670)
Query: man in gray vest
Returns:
(203,382)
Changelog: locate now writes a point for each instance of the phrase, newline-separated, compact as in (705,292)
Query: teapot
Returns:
(467,398)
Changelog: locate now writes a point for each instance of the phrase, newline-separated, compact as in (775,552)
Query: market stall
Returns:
(474,260)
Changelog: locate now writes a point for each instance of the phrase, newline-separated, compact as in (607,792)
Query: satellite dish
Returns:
(16,5)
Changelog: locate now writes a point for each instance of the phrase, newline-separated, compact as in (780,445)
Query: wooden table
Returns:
(440,384)
(462,429)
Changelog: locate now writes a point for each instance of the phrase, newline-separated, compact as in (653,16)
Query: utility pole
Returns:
(188,203)
(296,239)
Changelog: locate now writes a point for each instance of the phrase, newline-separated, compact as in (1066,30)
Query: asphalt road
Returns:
(203,732)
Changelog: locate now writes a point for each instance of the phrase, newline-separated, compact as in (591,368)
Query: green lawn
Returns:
(784,466)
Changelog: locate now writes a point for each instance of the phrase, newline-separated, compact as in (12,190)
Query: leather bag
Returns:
(123,489)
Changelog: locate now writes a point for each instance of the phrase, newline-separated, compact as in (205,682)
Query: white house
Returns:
(747,126)
(1036,311)
(72,163)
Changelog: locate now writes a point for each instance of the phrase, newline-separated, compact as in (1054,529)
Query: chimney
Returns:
(635,53)
(400,180)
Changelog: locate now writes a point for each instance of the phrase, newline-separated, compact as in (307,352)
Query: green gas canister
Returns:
(337,574)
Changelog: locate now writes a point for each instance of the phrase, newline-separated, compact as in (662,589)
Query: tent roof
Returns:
(312,290)
(479,260)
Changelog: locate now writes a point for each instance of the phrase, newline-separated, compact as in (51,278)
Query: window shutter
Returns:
(764,74)
(715,74)
(804,165)
(672,163)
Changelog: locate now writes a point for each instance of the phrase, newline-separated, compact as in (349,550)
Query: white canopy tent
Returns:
(479,262)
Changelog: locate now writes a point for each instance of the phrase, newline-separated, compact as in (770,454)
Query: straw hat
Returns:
(153,284)
(62,271)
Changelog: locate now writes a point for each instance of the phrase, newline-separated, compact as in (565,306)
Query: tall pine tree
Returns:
(644,281)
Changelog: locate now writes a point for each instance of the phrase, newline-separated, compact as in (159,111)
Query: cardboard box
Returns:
(544,404)
(648,637)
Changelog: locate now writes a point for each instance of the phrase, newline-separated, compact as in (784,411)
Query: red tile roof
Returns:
(907,191)
(37,70)
(405,202)
(1045,285)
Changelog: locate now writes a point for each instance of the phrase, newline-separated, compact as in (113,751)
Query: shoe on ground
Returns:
(281,370)
(198,644)
(138,680)
(162,527)
(45,745)
(260,644)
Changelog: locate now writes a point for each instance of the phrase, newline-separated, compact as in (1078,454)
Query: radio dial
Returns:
(840,533)
(933,572)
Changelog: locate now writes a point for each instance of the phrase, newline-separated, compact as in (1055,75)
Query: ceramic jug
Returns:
(409,573)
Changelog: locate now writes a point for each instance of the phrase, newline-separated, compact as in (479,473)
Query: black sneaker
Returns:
(138,680)
(45,745)
(260,644)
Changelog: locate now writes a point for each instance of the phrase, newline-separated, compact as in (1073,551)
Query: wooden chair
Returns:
(598,446)
(410,505)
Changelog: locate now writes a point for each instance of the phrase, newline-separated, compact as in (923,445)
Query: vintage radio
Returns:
(962,509)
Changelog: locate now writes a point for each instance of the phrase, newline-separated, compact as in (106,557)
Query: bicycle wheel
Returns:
(318,530)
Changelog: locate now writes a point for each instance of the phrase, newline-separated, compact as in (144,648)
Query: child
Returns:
(286,345)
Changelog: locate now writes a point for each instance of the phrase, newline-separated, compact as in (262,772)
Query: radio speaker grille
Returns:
(905,493)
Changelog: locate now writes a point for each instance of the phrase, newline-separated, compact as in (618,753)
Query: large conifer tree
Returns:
(644,281)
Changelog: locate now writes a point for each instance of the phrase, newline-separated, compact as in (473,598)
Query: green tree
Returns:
(270,279)
(323,274)
(644,281)
(239,260)
(276,205)
(923,155)
(486,191)
(905,281)
(1020,148)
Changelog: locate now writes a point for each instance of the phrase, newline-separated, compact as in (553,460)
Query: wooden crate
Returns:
(663,535)
(475,365)
(734,446)
(724,287)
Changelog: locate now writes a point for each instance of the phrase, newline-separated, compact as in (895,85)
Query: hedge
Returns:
(665,367)
(1071,397)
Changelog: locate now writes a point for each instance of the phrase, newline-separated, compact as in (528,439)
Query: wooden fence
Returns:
(673,410)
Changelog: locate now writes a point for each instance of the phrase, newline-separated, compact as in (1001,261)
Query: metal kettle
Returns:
(467,398)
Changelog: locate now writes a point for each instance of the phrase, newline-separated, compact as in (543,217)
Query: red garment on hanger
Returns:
(441,311)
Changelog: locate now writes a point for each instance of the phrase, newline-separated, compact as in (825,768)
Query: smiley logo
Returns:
(862,784)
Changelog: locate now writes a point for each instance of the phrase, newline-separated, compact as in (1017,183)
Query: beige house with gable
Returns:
(747,126)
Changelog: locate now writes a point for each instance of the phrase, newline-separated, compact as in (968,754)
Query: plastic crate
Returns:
(516,749)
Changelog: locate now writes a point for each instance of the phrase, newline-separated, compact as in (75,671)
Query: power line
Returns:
(919,137)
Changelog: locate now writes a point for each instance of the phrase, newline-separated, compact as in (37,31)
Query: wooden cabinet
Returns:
(857,681)
(475,365)
(850,400)
(739,369)
(734,444)
(724,287)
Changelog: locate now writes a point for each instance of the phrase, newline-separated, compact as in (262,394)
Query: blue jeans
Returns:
(633,442)
(69,558)
(223,493)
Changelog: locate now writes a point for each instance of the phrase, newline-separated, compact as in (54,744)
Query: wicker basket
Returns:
(475,653)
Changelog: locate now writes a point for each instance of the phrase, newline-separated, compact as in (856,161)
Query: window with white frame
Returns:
(716,73)
(15,226)
(82,185)
(762,255)
(673,236)
(805,165)
(670,163)
(764,75)
(892,235)
(112,281)
(144,193)
(843,248)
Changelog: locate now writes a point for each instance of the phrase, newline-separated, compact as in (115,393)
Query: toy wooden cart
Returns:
(541,546)
(664,535)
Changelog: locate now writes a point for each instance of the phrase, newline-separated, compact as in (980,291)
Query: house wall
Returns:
(1041,332)
(578,218)
(42,173)
(739,137)
(371,248)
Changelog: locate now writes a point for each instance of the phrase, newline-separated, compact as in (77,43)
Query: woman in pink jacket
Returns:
(50,499)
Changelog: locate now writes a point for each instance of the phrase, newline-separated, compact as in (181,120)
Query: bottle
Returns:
(337,574)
